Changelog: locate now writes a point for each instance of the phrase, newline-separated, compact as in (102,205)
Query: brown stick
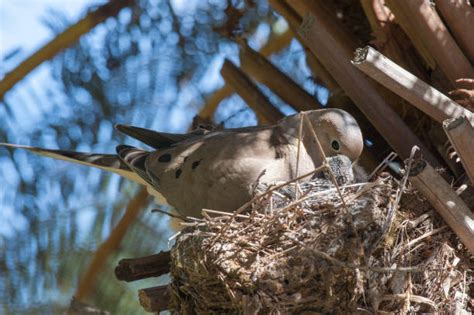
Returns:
(321,74)
(143,267)
(424,26)
(335,55)
(258,67)
(61,41)
(459,16)
(250,93)
(442,197)
(155,299)
(423,96)
(294,20)
(274,45)
(390,38)
(291,16)
(403,19)
(461,135)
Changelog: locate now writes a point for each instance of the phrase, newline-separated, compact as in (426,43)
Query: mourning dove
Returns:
(217,169)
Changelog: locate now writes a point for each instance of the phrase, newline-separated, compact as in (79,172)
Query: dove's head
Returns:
(337,131)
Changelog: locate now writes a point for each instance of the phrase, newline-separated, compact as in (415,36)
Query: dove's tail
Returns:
(107,162)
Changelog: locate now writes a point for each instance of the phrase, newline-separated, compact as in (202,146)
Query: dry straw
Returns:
(289,252)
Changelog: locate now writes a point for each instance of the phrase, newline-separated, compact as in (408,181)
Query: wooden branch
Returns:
(390,38)
(459,16)
(402,17)
(262,70)
(250,93)
(155,299)
(424,26)
(378,16)
(320,72)
(333,52)
(62,41)
(143,267)
(294,20)
(442,197)
(274,45)
(211,104)
(423,96)
(87,282)
(291,16)
(277,43)
(461,135)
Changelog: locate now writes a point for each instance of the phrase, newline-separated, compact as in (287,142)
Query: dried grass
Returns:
(289,254)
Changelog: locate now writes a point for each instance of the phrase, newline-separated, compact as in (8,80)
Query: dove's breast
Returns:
(219,172)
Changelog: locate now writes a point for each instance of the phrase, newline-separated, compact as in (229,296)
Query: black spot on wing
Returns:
(165,158)
(195,164)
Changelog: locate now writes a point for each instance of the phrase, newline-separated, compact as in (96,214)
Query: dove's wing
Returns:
(135,158)
(108,162)
(163,140)
(159,140)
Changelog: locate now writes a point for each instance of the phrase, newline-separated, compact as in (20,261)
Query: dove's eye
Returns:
(335,145)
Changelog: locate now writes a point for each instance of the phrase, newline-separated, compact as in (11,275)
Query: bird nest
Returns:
(322,249)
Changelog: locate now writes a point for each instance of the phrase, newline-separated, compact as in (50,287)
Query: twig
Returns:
(400,191)
(172,237)
(461,135)
(226,214)
(258,197)
(413,298)
(430,233)
(442,197)
(154,299)
(389,158)
(176,216)
(331,173)
(298,153)
(143,267)
(423,96)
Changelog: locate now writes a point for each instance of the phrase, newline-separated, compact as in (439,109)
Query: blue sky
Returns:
(29,32)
